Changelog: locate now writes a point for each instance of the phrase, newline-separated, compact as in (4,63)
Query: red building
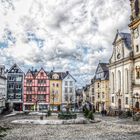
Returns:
(36,90)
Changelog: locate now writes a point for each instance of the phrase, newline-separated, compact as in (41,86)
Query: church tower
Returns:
(135,36)
(135,26)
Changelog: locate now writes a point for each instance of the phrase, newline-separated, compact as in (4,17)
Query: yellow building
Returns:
(55,90)
(101,87)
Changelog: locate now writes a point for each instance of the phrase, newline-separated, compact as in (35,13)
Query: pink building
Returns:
(36,90)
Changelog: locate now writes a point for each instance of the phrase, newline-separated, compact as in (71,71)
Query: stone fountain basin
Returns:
(52,122)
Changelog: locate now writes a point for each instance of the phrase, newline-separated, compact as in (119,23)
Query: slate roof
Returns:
(126,37)
(105,70)
(104,66)
(62,75)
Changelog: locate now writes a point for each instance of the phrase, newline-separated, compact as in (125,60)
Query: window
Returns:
(11,78)
(18,96)
(41,74)
(10,96)
(18,86)
(127,81)
(41,88)
(113,99)
(57,85)
(126,100)
(66,90)
(98,95)
(55,99)
(137,48)
(29,81)
(19,78)
(28,97)
(71,83)
(11,86)
(41,81)
(41,97)
(138,74)
(119,80)
(53,84)
(103,95)
(98,85)
(71,90)
(66,83)
(29,89)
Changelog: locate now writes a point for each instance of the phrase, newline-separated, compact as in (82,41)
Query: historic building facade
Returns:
(120,69)
(135,36)
(68,90)
(56,90)
(101,87)
(15,77)
(2,88)
(36,90)
(125,65)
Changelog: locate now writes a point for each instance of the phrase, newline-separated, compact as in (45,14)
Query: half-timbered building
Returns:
(36,90)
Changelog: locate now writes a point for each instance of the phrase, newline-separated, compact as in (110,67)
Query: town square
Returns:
(70,70)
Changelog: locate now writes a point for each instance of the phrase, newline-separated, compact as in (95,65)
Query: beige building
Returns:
(88,93)
(101,87)
(135,34)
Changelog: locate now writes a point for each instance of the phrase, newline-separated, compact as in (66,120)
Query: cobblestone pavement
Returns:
(110,128)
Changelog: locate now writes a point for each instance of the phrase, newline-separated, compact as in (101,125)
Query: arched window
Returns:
(112,82)
(119,80)
(138,74)
(126,81)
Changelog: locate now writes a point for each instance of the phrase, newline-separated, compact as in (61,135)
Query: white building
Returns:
(2,88)
(120,71)
(68,90)
(125,65)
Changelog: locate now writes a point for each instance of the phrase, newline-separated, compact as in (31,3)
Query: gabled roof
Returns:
(126,37)
(66,74)
(15,65)
(29,71)
(61,75)
(37,72)
(105,70)
(104,67)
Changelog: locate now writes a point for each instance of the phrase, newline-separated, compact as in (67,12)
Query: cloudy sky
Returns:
(65,35)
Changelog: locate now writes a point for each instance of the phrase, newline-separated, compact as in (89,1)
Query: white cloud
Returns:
(76,33)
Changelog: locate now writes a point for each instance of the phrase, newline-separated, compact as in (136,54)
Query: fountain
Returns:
(67,114)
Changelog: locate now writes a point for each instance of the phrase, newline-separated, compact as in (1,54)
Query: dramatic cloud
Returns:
(62,34)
